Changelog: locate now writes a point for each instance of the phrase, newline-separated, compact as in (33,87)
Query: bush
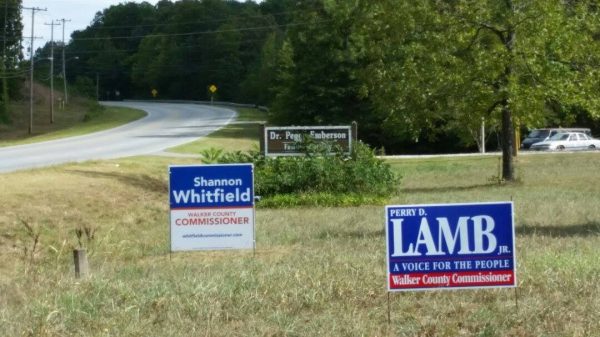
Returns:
(84,86)
(212,155)
(93,111)
(318,177)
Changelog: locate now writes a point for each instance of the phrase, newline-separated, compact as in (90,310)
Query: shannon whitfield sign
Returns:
(212,207)
(450,246)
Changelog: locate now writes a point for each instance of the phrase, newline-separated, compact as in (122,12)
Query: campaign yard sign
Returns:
(449,246)
(212,207)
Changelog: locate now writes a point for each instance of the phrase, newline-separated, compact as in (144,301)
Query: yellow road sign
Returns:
(212,88)
(154,93)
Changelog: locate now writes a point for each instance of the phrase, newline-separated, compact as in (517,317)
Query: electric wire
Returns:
(205,32)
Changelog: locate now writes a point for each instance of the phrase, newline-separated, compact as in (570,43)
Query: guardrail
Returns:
(219,103)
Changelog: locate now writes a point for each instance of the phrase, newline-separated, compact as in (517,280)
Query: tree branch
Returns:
(474,39)
(499,32)
(494,106)
(481,25)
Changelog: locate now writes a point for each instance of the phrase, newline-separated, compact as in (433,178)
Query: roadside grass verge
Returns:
(317,271)
(241,135)
(82,117)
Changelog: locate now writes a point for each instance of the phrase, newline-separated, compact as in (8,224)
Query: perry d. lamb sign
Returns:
(212,207)
(450,246)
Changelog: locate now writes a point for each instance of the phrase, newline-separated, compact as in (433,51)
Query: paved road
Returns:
(165,126)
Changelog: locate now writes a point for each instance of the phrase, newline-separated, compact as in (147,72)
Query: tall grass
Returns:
(316,271)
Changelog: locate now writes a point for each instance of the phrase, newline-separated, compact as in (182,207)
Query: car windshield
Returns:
(538,134)
(560,136)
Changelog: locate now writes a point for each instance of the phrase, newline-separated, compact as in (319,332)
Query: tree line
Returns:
(418,76)
(10,73)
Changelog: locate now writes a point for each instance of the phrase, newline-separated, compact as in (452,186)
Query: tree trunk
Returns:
(508,171)
(508,129)
(4,116)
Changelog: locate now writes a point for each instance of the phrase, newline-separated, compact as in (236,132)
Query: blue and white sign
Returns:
(450,246)
(212,207)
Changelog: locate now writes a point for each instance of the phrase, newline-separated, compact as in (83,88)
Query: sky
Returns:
(80,12)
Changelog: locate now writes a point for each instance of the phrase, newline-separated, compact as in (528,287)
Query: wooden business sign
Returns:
(288,141)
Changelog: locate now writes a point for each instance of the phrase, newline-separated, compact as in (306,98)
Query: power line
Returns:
(258,15)
(197,22)
(205,32)
(4,33)
(52,24)
(159,47)
(64,70)
(5,98)
(15,74)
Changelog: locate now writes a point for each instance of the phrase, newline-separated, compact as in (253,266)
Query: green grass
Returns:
(108,118)
(242,134)
(316,272)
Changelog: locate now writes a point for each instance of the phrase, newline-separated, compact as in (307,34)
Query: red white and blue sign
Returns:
(450,246)
(212,207)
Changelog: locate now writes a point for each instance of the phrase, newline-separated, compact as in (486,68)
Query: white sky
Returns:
(80,12)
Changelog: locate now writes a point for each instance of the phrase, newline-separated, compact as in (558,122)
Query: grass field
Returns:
(241,135)
(316,272)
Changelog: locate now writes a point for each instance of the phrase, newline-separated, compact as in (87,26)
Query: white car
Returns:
(568,141)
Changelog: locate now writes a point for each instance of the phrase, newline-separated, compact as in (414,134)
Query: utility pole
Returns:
(51,24)
(97,87)
(482,134)
(31,52)
(64,71)
(4,113)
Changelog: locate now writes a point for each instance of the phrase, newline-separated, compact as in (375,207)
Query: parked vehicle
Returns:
(568,141)
(540,135)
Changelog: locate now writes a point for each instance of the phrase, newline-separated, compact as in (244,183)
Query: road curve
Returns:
(165,126)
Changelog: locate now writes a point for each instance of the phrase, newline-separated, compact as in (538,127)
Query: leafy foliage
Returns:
(319,177)
(458,62)
(416,76)
(211,155)
(178,48)
(10,74)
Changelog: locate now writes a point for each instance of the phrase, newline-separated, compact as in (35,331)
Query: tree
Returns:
(405,76)
(256,87)
(317,81)
(105,47)
(12,27)
(197,44)
(503,60)
(178,48)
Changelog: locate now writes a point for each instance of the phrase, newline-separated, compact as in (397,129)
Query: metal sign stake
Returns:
(516,300)
(389,311)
